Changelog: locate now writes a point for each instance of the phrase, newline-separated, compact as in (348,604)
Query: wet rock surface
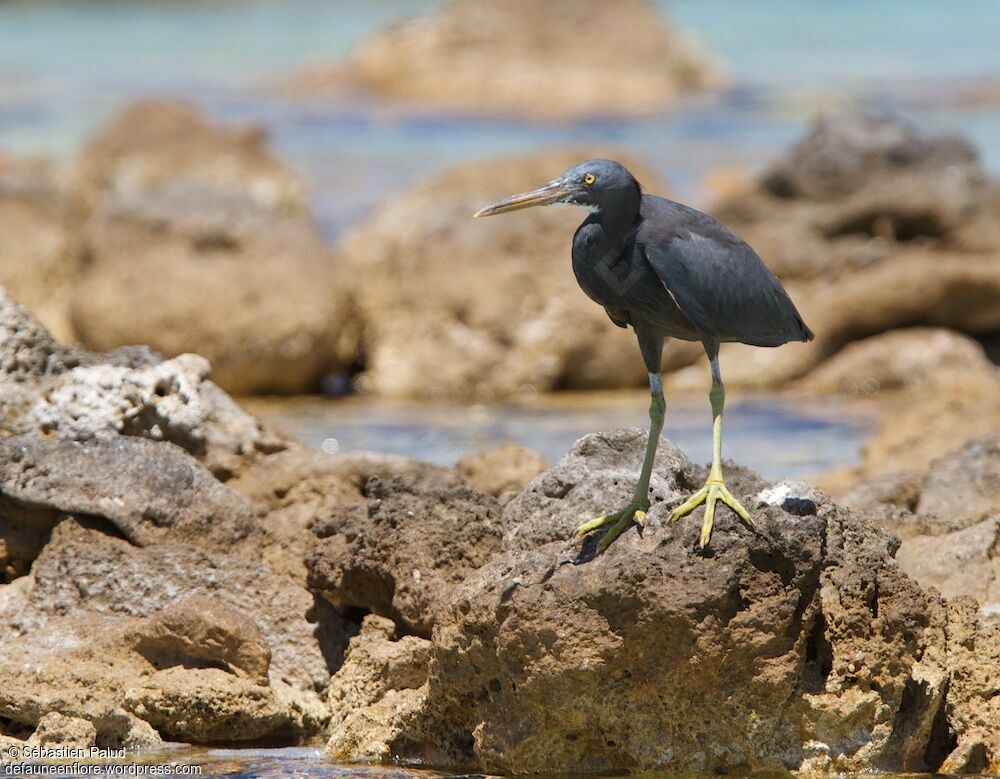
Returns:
(527,58)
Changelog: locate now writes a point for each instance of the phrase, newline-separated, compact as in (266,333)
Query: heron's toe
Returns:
(619,522)
(713,493)
(689,505)
(727,497)
(594,524)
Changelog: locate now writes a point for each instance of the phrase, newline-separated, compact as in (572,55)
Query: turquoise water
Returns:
(64,66)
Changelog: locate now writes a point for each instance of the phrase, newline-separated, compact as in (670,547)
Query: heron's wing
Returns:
(722,286)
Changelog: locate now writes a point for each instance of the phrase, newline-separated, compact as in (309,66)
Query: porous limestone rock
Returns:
(67,392)
(965,482)
(867,222)
(973,704)
(183,268)
(151,492)
(377,692)
(55,730)
(948,519)
(106,670)
(957,563)
(793,642)
(86,572)
(39,251)
(914,359)
(401,549)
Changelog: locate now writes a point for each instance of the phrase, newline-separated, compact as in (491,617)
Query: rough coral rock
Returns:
(867,222)
(961,562)
(70,393)
(39,251)
(199,239)
(377,693)
(973,703)
(150,491)
(796,644)
(166,401)
(98,670)
(948,519)
(204,630)
(914,359)
(86,571)
(55,729)
(403,547)
(844,151)
(258,292)
(965,482)
(595,477)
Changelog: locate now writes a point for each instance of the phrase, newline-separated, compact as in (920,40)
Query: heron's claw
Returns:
(712,493)
(619,521)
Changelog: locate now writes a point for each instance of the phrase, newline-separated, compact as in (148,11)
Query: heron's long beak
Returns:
(552,192)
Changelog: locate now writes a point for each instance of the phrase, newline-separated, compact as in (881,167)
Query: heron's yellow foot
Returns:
(712,493)
(619,521)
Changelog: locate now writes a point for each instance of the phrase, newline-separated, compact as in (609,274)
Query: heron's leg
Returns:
(714,490)
(635,511)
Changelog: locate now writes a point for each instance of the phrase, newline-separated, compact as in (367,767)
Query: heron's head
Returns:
(594,184)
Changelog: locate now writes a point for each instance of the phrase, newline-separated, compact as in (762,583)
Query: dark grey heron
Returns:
(668,271)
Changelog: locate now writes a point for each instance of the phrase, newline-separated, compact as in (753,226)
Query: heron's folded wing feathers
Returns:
(723,287)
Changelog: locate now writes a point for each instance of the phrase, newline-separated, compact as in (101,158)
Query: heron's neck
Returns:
(618,221)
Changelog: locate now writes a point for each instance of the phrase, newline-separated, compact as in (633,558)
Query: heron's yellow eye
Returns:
(590,178)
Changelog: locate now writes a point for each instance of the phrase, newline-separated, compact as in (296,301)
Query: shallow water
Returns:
(780,437)
(267,763)
(306,763)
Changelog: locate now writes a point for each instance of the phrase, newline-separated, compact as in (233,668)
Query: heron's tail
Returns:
(805,334)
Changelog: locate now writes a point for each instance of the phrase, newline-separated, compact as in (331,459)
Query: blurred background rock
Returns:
(285,188)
